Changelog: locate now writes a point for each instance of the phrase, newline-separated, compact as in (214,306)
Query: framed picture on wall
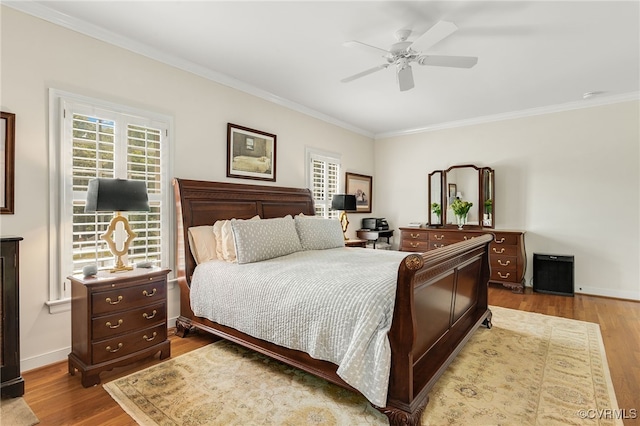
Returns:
(7,161)
(362,187)
(251,154)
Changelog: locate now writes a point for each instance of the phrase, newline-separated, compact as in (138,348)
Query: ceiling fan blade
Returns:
(405,78)
(366,47)
(448,61)
(363,73)
(437,33)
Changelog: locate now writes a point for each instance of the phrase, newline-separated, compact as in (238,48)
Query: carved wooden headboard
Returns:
(203,203)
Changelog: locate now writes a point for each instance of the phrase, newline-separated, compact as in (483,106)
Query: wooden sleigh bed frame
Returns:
(441,296)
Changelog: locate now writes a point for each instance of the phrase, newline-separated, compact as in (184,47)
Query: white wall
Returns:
(37,56)
(571,180)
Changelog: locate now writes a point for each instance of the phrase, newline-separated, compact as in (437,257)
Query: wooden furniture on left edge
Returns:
(507,255)
(12,381)
(441,296)
(117,319)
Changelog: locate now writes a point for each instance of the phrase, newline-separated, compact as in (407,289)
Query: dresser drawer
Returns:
(117,347)
(123,322)
(503,250)
(414,245)
(503,275)
(506,239)
(504,263)
(413,235)
(120,299)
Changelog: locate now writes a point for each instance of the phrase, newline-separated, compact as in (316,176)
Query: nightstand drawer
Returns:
(129,297)
(123,322)
(506,238)
(503,263)
(126,344)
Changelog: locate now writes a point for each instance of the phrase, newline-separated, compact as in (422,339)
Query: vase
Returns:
(461,219)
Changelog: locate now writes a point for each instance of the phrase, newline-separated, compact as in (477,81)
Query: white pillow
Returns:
(265,239)
(202,243)
(318,233)
(225,246)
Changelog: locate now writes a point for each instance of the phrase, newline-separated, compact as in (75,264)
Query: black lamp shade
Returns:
(344,202)
(117,195)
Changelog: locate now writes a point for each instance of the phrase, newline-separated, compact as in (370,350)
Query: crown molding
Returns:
(550,109)
(41,11)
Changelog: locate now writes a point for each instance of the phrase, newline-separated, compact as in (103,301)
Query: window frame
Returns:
(61,191)
(327,157)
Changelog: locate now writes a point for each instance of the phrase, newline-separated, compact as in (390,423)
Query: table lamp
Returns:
(117,195)
(344,202)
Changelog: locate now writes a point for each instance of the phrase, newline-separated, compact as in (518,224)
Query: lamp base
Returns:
(118,253)
(344,221)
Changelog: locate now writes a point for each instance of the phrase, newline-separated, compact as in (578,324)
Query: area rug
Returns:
(529,369)
(16,412)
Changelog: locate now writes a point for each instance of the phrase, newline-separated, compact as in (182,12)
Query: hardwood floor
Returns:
(59,399)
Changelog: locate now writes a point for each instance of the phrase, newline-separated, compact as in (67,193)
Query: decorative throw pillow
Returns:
(265,239)
(318,233)
(225,246)
(202,243)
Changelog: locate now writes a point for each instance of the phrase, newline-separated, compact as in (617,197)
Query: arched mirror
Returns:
(435,198)
(474,185)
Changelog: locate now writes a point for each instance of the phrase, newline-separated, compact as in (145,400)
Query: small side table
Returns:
(373,236)
(117,319)
(355,243)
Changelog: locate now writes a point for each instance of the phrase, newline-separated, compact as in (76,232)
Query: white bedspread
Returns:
(335,305)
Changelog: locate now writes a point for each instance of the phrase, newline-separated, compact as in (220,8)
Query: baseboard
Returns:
(59,355)
(607,292)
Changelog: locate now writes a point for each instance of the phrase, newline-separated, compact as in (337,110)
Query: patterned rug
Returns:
(529,369)
(16,412)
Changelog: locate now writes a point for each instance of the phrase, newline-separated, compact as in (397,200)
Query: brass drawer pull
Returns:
(438,246)
(504,276)
(414,245)
(438,238)
(146,293)
(108,324)
(415,235)
(111,302)
(148,339)
(147,316)
(465,238)
(114,350)
(496,251)
(505,263)
(500,241)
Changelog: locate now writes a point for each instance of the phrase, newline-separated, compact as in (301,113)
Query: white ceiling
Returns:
(533,55)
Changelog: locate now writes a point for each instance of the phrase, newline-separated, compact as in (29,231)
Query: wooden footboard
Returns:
(441,296)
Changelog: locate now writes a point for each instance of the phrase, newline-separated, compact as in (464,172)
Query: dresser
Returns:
(117,319)
(507,256)
(12,381)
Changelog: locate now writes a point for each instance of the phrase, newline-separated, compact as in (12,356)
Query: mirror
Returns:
(435,198)
(488,191)
(467,183)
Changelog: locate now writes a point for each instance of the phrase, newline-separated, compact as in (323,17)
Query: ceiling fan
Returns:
(403,53)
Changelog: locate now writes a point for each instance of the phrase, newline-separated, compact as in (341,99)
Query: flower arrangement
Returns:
(461,209)
(488,206)
(435,209)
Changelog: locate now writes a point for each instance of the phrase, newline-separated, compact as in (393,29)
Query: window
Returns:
(92,139)
(323,179)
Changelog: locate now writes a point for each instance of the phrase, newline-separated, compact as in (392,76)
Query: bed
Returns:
(440,296)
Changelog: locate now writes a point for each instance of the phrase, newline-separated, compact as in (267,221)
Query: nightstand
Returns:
(117,319)
(355,243)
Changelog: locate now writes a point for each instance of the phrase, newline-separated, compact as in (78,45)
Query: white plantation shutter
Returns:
(324,179)
(98,140)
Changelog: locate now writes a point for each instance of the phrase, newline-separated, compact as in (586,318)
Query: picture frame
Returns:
(362,187)
(451,192)
(7,161)
(251,154)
